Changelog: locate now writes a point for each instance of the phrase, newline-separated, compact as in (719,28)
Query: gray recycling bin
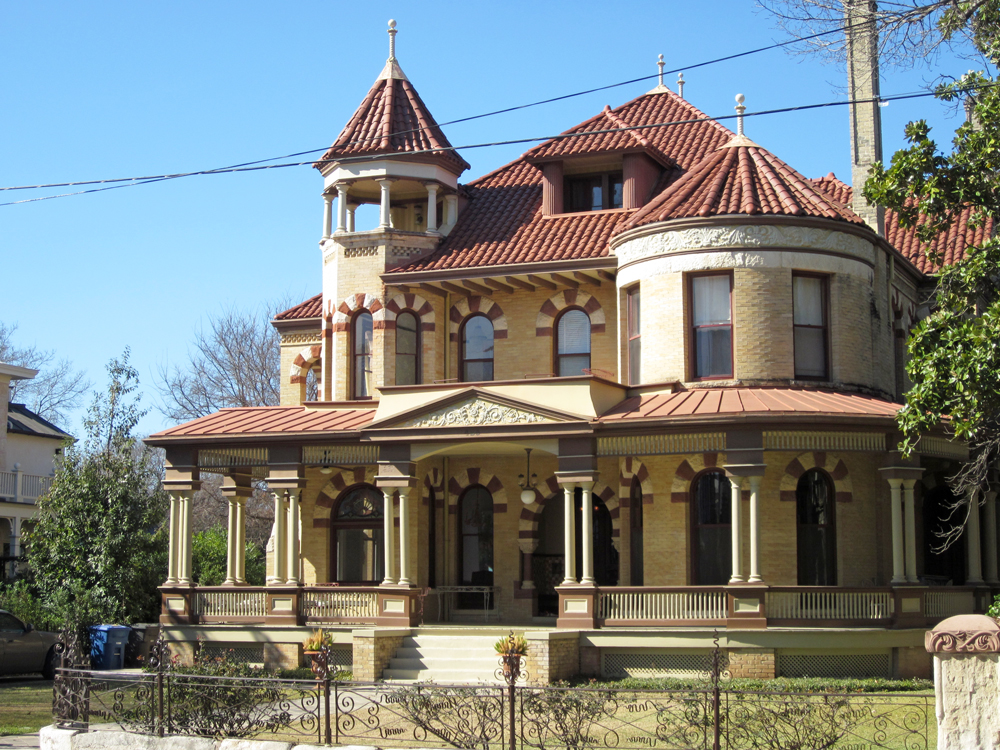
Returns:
(107,646)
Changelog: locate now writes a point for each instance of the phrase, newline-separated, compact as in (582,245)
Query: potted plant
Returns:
(317,646)
(511,649)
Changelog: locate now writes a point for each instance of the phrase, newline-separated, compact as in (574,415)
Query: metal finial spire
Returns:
(740,109)
(392,40)
(660,65)
(680,85)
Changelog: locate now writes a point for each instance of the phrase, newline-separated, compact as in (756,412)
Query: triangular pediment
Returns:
(474,407)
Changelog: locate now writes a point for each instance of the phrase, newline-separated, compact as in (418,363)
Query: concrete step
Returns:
(439,676)
(445,657)
(423,662)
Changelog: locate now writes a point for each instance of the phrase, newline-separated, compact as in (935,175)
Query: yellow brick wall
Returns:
(762,323)
(663,325)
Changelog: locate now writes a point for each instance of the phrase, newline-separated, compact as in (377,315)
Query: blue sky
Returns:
(115,89)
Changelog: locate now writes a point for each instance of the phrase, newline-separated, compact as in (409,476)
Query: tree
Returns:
(208,559)
(235,362)
(97,550)
(58,387)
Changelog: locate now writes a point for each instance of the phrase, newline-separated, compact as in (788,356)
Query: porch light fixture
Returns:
(527,485)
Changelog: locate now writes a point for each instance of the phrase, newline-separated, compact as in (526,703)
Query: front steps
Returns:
(445,658)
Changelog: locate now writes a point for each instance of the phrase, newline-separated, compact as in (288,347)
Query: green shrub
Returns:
(20,600)
(778,685)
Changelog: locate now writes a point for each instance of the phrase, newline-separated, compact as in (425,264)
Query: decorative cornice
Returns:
(474,411)
(665,242)
(300,338)
(964,634)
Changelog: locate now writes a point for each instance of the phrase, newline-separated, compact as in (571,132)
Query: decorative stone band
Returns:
(563,300)
(290,339)
(743,236)
(784,440)
(964,634)
(414,302)
(361,300)
(830,463)
(661,445)
(476,304)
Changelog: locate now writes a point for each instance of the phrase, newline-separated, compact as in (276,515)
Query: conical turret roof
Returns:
(393,119)
(741,177)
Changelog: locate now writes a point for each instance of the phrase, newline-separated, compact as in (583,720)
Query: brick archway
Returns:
(831,463)
(415,302)
(476,304)
(471,476)
(304,361)
(689,468)
(563,300)
(361,300)
(333,489)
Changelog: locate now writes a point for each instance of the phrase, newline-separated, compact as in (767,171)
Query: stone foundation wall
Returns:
(754,663)
(552,656)
(372,651)
(913,661)
(282,655)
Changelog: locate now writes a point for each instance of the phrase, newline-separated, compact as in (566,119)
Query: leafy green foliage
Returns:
(97,551)
(20,599)
(208,559)
(994,610)
(955,352)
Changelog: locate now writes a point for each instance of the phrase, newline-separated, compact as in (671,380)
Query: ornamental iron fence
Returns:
(167,701)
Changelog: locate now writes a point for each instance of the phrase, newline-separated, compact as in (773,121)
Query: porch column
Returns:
(450,209)
(184,539)
(172,550)
(755,530)
(972,543)
(432,189)
(404,537)
(279,573)
(895,497)
(569,535)
(587,532)
(527,547)
(389,538)
(351,209)
(231,544)
(327,215)
(384,205)
(910,518)
(292,573)
(16,524)
(991,537)
(241,540)
(737,529)
(342,206)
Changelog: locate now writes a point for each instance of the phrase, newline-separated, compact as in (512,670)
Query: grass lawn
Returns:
(25,706)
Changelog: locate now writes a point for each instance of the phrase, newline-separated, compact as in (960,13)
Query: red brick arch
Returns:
(689,468)
(527,524)
(563,300)
(359,301)
(333,489)
(832,464)
(634,468)
(304,361)
(476,304)
(415,302)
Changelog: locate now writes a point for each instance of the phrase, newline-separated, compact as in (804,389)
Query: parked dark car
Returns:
(24,649)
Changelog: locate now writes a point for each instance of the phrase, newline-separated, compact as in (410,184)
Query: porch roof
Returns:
(709,402)
(270,420)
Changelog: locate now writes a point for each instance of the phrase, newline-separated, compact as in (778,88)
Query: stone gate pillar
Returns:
(966,653)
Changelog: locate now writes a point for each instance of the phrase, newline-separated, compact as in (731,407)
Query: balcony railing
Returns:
(18,487)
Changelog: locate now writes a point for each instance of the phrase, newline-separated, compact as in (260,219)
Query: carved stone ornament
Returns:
(964,634)
(474,412)
(750,236)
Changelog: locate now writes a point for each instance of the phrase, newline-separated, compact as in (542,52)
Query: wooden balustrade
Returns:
(18,487)
(684,604)
(941,604)
(339,605)
(822,603)
(237,604)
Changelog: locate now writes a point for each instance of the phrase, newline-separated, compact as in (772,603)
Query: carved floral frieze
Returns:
(475,412)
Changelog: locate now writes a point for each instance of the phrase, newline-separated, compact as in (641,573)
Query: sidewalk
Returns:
(20,741)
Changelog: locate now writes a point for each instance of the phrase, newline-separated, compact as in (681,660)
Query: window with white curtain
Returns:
(477,349)
(712,323)
(809,324)
(573,343)
(407,348)
(361,347)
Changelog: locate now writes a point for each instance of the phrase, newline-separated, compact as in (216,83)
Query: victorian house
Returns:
(631,391)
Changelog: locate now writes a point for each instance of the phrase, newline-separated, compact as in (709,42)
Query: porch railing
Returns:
(948,603)
(339,605)
(829,604)
(233,604)
(662,605)
(18,487)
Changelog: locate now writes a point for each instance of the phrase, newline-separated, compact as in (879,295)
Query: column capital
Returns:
(385,180)
(745,470)
(901,472)
(577,478)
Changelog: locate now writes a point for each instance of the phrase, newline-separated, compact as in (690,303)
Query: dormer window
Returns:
(594,192)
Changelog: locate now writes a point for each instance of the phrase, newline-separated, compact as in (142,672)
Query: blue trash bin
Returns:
(107,646)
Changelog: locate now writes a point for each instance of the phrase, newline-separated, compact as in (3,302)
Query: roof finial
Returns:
(392,40)
(680,85)
(740,109)
(660,65)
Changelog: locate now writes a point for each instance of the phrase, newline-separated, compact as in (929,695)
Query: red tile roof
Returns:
(741,178)
(713,401)
(950,246)
(393,119)
(271,420)
(311,308)
(503,222)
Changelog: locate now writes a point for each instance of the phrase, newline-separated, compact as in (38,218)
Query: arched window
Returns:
(712,529)
(477,349)
(356,536)
(361,354)
(572,342)
(817,540)
(635,532)
(407,348)
(475,520)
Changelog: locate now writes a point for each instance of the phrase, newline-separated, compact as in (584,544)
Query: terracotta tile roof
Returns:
(712,401)
(950,246)
(271,420)
(393,119)
(503,222)
(741,178)
(311,308)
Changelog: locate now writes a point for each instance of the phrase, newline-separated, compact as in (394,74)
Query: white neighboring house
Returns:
(29,446)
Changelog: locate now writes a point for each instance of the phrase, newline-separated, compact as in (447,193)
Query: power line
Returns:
(233,167)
